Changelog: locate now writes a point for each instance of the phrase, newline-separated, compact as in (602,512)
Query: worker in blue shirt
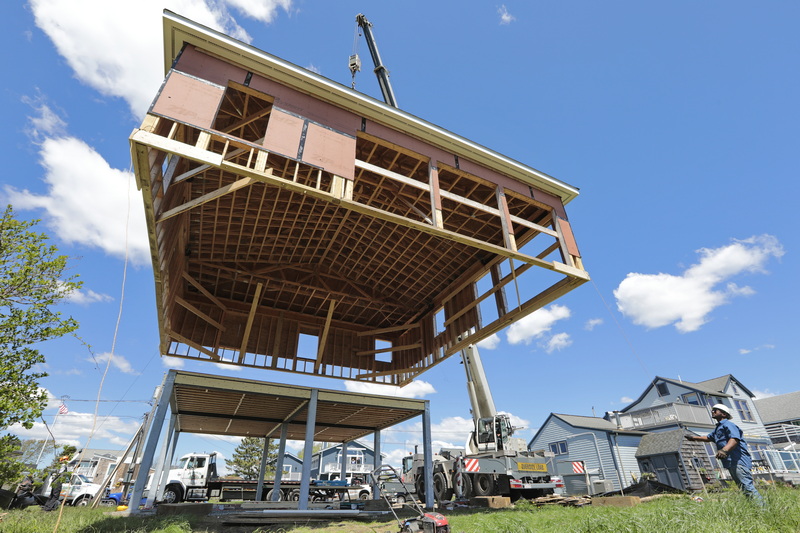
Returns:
(731,450)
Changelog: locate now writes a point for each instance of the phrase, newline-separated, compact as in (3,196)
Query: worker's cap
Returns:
(723,408)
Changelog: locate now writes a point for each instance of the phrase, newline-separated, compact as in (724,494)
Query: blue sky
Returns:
(677,121)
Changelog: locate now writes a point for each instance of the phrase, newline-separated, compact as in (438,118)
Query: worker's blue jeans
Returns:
(742,476)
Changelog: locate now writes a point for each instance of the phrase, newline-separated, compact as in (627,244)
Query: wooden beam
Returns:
(324,336)
(186,305)
(391,349)
(200,200)
(505,219)
(180,338)
(250,318)
(381,331)
(160,142)
(203,291)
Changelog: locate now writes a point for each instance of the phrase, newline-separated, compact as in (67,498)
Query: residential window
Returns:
(691,398)
(662,389)
(757,451)
(713,400)
(559,448)
(744,411)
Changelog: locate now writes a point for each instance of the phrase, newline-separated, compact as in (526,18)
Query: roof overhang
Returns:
(217,405)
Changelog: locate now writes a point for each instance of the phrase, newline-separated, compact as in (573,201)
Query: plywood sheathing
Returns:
(279,214)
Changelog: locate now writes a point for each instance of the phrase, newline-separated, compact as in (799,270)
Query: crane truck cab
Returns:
(188,480)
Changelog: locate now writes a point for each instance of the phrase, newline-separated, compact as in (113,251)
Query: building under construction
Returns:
(298,225)
(283,205)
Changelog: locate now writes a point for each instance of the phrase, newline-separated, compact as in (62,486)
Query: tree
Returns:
(246,459)
(33,450)
(31,286)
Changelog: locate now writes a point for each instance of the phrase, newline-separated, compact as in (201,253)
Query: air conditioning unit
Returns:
(599,486)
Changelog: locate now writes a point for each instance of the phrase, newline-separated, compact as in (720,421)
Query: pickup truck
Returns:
(80,491)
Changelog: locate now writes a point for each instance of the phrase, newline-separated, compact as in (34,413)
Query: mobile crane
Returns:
(493,462)
(380,69)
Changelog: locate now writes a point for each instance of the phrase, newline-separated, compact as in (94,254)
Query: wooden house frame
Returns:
(298,225)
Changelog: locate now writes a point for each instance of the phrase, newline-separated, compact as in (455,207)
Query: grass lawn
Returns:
(722,512)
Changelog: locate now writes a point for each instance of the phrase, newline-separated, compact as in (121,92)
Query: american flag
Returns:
(62,410)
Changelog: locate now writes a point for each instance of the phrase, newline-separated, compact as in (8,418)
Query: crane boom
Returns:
(380,69)
(480,396)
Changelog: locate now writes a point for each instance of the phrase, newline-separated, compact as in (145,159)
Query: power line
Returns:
(111,401)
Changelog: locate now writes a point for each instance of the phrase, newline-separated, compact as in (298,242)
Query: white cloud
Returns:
(75,428)
(46,124)
(505,16)
(656,300)
(87,201)
(766,393)
(536,324)
(88,297)
(625,399)
(118,51)
(491,342)
(592,323)
(395,456)
(559,341)
(451,429)
(745,351)
(117,361)
(263,10)
(173,362)
(231,368)
(415,389)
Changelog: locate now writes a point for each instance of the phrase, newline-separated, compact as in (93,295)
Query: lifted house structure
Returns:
(297,225)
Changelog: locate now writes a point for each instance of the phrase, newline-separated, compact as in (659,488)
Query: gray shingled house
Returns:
(781,416)
(605,452)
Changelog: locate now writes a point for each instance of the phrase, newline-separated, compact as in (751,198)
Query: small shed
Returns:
(673,460)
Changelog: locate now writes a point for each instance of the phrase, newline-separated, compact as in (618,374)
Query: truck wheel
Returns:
(419,486)
(467,488)
(484,485)
(364,495)
(400,499)
(83,501)
(173,494)
(271,492)
(441,491)
(294,495)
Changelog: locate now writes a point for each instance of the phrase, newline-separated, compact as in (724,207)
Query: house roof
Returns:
(721,383)
(587,422)
(660,443)
(715,387)
(781,408)
(90,453)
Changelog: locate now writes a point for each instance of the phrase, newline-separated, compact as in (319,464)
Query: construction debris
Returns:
(555,499)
